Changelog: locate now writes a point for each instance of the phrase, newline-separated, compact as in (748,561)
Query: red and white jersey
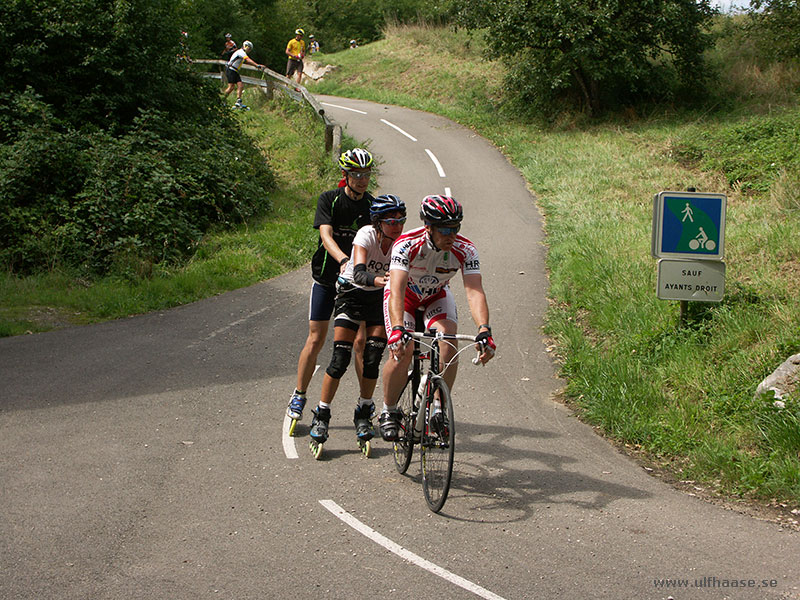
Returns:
(430,270)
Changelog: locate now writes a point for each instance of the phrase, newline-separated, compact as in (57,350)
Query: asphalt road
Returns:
(147,458)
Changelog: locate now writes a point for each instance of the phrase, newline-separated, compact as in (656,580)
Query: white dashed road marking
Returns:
(392,125)
(355,110)
(436,163)
(382,540)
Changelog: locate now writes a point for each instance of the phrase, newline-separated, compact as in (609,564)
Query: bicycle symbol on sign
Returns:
(701,241)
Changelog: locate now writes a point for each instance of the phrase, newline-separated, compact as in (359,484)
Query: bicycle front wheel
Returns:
(437,448)
(404,445)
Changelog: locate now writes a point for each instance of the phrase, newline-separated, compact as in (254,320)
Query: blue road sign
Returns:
(689,225)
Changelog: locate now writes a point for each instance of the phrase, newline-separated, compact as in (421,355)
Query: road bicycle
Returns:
(425,392)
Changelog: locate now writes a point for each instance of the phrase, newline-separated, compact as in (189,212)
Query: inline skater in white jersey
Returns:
(232,71)
(423,262)
(359,299)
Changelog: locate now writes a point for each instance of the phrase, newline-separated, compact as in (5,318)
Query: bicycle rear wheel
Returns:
(437,448)
(404,445)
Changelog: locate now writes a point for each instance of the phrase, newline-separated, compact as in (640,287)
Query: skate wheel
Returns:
(292,427)
(366,447)
(316,449)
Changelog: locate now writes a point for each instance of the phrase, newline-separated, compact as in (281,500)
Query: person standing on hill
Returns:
(296,51)
(232,71)
(230,47)
(313,44)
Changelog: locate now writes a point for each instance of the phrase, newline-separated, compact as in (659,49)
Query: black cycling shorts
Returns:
(354,306)
(232,75)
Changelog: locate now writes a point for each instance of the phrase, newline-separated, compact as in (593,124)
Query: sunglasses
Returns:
(399,221)
(356,175)
(449,230)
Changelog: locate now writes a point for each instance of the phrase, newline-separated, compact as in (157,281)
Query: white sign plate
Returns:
(694,280)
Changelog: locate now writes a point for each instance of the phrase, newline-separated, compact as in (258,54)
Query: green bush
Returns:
(113,154)
(148,195)
(593,56)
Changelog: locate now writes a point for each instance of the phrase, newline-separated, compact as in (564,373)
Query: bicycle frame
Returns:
(436,441)
(433,356)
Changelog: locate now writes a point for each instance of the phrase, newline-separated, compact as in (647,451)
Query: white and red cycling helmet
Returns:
(438,210)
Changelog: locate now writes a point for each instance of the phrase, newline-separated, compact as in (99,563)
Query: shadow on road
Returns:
(506,491)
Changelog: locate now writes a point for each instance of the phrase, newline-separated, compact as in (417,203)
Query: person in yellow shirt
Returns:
(296,51)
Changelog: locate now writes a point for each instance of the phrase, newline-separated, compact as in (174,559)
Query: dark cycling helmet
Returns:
(436,210)
(357,158)
(299,32)
(384,204)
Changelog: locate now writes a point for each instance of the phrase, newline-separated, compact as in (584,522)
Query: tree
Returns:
(207,22)
(595,54)
(111,152)
(778,26)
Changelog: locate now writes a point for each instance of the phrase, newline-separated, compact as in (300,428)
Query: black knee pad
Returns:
(342,351)
(373,354)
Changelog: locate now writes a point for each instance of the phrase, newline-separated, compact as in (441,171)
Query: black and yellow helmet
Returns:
(357,158)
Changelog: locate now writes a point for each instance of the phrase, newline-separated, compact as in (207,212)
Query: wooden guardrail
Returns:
(269,82)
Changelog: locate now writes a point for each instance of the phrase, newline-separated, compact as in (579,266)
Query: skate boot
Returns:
(389,422)
(361,419)
(319,430)
(296,405)
(295,411)
(319,424)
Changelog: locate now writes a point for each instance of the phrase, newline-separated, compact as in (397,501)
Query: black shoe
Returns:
(389,422)
(439,425)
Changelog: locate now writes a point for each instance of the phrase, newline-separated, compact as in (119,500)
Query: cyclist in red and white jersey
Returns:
(422,264)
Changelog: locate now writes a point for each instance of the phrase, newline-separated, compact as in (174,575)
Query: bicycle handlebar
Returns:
(426,335)
(418,335)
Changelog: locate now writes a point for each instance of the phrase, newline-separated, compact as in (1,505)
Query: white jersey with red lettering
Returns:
(377,262)
(430,270)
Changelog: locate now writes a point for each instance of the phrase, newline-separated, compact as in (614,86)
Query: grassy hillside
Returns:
(681,397)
